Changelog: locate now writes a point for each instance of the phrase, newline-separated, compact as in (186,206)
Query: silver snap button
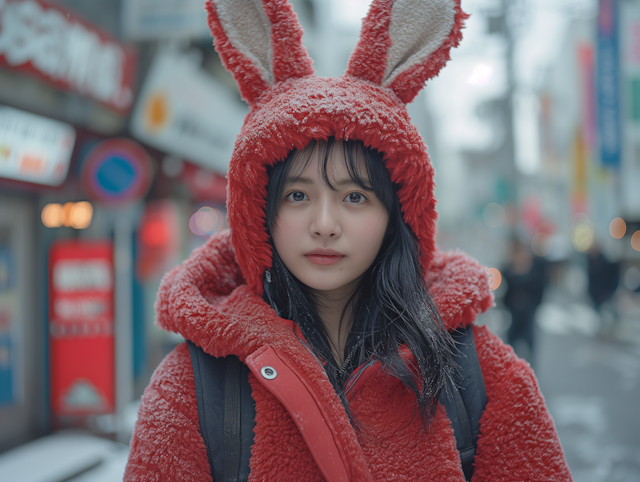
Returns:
(268,372)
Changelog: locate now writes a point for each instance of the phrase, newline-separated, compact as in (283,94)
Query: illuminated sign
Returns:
(34,148)
(47,41)
(81,342)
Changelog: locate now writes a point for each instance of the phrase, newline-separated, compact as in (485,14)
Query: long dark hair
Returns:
(391,307)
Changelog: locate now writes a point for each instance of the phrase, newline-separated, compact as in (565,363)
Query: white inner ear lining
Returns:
(417,29)
(249,30)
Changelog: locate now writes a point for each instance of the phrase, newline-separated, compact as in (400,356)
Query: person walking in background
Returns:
(603,279)
(526,278)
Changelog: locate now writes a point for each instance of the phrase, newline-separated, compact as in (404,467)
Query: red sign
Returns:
(81,342)
(50,42)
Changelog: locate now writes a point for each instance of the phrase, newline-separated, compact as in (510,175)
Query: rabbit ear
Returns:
(259,42)
(404,43)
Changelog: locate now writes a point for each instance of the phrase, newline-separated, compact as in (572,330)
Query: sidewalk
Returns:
(591,384)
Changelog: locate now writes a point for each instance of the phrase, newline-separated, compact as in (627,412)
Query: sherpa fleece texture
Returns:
(207,301)
(214,298)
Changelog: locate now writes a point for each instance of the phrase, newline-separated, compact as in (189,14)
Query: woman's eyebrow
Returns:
(305,180)
(294,180)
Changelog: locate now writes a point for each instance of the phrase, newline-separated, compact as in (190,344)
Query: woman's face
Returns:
(328,239)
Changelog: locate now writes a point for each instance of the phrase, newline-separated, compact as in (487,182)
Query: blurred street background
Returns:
(117,122)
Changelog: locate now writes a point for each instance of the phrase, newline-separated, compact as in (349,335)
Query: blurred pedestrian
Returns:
(526,278)
(604,277)
(326,317)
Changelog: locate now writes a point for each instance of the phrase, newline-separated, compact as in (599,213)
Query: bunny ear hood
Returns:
(403,43)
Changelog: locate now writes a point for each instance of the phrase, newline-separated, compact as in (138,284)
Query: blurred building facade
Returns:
(117,121)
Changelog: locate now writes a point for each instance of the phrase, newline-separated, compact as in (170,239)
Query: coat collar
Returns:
(207,301)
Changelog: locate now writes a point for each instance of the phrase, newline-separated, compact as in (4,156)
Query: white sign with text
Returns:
(34,148)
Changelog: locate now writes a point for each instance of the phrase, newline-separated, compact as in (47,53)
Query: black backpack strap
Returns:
(224,384)
(468,399)
(226,413)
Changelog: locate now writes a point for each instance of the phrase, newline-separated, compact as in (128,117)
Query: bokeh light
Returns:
(80,215)
(66,214)
(52,215)
(206,222)
(617,228)
(481,75)
(635,240)
(583,232)
(155,234)
(76,215)
(494,215)
(495,278)
(541,244)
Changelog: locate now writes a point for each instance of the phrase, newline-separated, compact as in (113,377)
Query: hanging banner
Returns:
(81,340)
(608,79)
(630,71)
(184,111)
(34,148)
(48,41)
(154,19)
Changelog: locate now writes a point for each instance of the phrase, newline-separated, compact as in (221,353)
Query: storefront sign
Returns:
(152,19)
(184,111)
(608,78)
(81,341)
(117,171)
(48,41)
(34,148)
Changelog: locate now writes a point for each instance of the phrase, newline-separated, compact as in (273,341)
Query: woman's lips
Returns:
(323,259)
(324,256)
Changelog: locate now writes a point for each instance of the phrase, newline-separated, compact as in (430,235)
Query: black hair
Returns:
(391,307)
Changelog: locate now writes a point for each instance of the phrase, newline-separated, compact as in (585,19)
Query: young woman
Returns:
(329,287)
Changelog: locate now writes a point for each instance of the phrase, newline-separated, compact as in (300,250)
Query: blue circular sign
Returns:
(117,171)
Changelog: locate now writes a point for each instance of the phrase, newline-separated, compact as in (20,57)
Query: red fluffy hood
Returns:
(403,43)
(207,301)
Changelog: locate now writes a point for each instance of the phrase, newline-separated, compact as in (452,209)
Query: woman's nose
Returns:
(325,221)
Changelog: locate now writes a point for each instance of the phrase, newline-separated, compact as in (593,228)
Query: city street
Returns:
(592,387)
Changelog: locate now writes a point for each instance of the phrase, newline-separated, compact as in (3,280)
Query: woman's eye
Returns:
(296,196)
(355,198)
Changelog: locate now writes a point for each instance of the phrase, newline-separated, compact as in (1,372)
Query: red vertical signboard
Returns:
(81,338)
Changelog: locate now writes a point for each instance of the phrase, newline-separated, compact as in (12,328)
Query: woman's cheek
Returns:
(287,224)
(372,227)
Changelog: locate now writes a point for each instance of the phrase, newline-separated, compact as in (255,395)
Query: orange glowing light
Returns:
(80,215)
(495,278)
(66,214)
(635,240)
(617,228)
(76,215)
(52,215)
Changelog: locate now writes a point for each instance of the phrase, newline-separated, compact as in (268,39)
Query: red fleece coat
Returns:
(215,297)
(207,301)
